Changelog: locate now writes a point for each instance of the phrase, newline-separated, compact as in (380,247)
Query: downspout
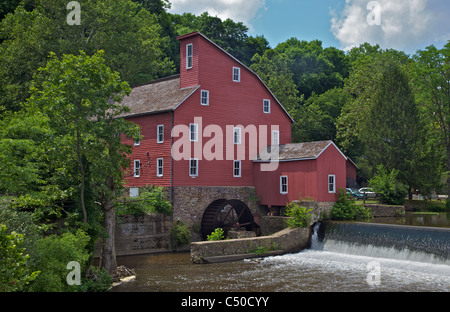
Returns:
(171,162)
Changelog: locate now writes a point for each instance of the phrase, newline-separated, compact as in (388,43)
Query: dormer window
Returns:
(236,74)
(189,56)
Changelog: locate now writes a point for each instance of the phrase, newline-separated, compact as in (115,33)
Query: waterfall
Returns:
(315,243)
(431,245)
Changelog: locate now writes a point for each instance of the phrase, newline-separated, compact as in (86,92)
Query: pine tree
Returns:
(393,126)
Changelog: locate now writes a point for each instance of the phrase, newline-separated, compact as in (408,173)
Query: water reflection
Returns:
(435,219)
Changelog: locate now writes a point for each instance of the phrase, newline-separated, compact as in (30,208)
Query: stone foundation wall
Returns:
(142,234)
(190,202)
(286,241)
(379,210)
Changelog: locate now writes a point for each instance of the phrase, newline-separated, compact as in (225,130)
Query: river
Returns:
(331,264)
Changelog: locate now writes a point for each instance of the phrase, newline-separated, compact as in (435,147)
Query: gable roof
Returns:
(297,151)
(197,33)
(158,96)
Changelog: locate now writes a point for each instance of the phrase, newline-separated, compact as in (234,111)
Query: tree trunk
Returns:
(108,260)
(447,187)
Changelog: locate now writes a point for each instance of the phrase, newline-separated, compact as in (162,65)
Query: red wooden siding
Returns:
(155,150)
(230,103)
(331,161)
(189,77)
(302,182)
(307,179)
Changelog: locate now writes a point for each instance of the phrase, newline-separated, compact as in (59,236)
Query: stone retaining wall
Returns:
(142,234)
(286,241)
(379,210)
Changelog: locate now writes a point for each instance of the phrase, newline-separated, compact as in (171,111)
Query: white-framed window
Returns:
(236,74)
(204,100)
(331,183)
(137,168)
(160,134)
(283,184)
(159,167)
(137,141)
(193,135)
(193,167)
(236,168)
(237,135)
(189,56)
(275,137)
(266,106)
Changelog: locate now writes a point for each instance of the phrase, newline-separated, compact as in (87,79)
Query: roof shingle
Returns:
(295,151)
(158,96)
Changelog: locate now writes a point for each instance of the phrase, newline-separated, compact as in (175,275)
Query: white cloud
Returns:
(237,10)
(405,24)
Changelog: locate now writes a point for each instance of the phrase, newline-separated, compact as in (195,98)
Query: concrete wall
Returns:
(286,241)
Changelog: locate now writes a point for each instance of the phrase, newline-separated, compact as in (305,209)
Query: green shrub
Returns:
(391,191)
(180,234)
(217,235)
(300,216)
(99,281)
(345,208)
(54,253)
(15,273)
(151,199)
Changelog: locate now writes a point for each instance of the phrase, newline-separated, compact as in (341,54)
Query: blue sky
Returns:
(406,25)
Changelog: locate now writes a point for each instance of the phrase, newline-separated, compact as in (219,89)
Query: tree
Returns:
(129,34)
(316,119)
(362,85)
(314,70)
(81,97)
(14,272)
(273,69)
(431,78)
(393,126)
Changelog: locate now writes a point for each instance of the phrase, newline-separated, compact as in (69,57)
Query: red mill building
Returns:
(217,138)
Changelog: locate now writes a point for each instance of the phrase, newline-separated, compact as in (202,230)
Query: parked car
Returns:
(354,193)
(368,192)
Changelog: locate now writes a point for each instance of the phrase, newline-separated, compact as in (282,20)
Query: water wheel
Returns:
(226,214)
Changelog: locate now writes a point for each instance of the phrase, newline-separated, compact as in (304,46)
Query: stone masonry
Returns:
(190,202)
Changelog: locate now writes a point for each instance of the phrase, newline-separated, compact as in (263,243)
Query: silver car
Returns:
(368,192)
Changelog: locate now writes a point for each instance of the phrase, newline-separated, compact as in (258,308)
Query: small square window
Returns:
(237,168)
(283,184)
(134,191)
(160,134)
(193,132)
(236,74)
(204,98)
(193,167)
(266,106)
